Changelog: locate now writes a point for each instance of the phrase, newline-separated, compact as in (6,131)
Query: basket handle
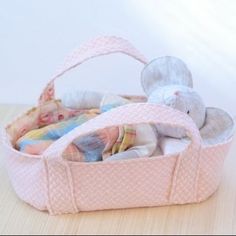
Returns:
(97,47)
(186,171)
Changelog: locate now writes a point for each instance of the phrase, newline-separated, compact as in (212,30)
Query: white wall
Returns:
(35,36)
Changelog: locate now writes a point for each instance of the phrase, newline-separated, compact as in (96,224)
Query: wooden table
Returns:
(215,216)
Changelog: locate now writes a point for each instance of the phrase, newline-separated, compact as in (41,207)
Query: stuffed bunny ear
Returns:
(165,71)
(218,127)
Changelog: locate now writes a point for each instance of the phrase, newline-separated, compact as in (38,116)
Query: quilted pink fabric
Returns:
(50,183)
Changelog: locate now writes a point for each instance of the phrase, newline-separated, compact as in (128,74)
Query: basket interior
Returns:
(218,127)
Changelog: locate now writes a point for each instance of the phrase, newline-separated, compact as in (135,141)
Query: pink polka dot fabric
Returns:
(48,182)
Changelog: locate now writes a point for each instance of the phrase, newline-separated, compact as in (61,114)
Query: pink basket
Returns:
(48,182)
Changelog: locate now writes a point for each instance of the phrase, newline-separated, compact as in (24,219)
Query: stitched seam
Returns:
(174,179)
(199,164)
(48,202)
(71,186)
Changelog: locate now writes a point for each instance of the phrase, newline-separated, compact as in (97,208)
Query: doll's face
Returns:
(182,98)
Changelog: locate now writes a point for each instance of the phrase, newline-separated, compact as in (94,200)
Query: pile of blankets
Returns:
(113,143)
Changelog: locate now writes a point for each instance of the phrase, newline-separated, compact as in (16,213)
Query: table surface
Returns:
(217,215)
